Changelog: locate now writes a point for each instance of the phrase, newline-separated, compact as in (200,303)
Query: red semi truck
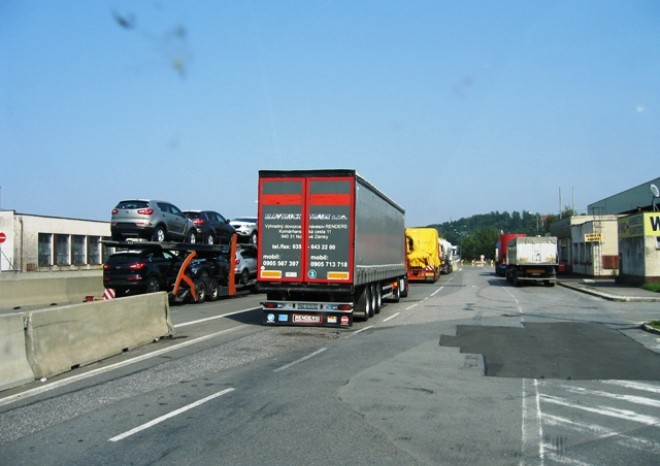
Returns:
(331,247)
(501,250)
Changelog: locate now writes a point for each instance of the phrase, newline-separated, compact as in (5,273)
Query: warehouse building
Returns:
(31,243)
(638,230)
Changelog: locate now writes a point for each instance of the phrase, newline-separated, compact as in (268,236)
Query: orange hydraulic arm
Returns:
(181,275)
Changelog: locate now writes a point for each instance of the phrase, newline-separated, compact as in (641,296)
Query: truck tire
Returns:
(378,298)
(396,293)
(372,294)
(363,305)
(403,287)
(200,289)
(212,290)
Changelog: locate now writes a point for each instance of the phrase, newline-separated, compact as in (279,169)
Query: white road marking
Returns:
(515,300)
(640,400)
(437,291)
(176,412)
(605,411)
(646,387)
(638,443)
(360,331)
(111,367)
(532,425)
(298,361)
(207,319)
(391,317)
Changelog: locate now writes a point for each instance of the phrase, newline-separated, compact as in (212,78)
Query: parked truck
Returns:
(532,259)
(500,251)
(330,245)
(423,250)
(446,256)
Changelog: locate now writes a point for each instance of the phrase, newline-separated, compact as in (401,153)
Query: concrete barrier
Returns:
(62,338)
(45,288)
(15,370)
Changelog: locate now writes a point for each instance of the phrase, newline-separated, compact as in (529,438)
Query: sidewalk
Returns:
(607,288)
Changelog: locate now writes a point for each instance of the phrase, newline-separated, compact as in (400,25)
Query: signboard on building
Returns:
(592,238)
(652,223)
(644,224)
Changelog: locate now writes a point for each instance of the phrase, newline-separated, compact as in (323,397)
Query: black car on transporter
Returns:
(150,269)
(144,270)
(211,227)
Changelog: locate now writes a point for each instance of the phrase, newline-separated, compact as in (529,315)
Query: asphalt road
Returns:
(468,370)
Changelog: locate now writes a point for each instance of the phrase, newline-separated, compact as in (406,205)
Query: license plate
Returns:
(306,319)
(307,306)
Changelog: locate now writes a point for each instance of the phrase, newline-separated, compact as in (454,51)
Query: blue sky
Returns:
(450,108)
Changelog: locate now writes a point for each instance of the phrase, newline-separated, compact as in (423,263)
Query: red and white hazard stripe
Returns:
(109,293)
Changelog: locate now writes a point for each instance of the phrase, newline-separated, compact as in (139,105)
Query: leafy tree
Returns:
(478,234)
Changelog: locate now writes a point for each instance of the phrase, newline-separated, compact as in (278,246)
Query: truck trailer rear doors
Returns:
(306,229)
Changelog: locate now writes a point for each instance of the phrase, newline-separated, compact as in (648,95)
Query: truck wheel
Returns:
(396,293)
(363,305)
(374,300)
(212,291)
(378,298)
(200,289)
(403,288)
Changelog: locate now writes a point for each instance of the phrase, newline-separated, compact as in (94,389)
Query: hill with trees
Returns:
(477,235)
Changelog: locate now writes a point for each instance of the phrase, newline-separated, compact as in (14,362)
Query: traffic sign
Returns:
(3,237)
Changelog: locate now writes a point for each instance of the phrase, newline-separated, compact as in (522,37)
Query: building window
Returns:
(78,249)
(62,249)
(94,250)
(45,256)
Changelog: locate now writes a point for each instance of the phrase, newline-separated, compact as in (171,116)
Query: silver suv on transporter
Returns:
(152,220)
(246,227)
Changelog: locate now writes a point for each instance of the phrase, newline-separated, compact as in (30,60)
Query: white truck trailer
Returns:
(532,259)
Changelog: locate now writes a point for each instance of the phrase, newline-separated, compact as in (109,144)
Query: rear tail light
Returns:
(198,221)
(106,267)
(270,305)
(137,266)
(145,211)
(237,261)
(115,211)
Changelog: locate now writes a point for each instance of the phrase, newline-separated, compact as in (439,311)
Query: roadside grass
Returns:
(652,287)
(655,324)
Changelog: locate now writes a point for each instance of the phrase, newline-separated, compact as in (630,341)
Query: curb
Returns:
(608,296)
(650,329)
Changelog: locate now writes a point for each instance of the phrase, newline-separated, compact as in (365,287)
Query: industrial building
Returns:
(620,236)
(31,243)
